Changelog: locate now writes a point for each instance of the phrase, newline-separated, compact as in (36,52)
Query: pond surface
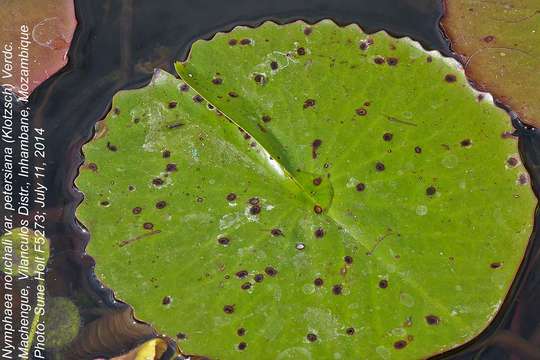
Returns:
(116,46)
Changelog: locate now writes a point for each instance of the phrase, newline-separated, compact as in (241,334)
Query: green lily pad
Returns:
(308,192)
(500,52)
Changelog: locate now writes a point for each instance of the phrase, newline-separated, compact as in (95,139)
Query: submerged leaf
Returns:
(499,43)
(150,350)
(308,192)
(63,321)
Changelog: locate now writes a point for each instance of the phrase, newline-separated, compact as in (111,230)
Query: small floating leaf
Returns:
(500,51)
(349,202)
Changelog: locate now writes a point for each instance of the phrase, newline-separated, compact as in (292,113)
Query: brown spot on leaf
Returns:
(274,65)
(136,210)
(318,282)
(266,118)
(241,274)
(259,79)
(318,209)
(450,78)
(241,332)
(233,94)
(383,284)
(495,265)
(430,191)
(311,337)
(301,51)
(392,61)
(348,259)
(319,233)
(379,60)
(489,38)
(228,309)
(161,204)
(432,320)
(360,187)
(315,145)
(258,278)
(255,209)
(466,142)
(317,181)
(231,196)
(171,167)
(388,136)
(111,146)
(242,346)
(379,166)
(92,166)
(246,286)
(166,300)
(400,344)
(217,81)
(158,181)
(361,112)
(270,271)
(245,41)
(512,161)
(148,226)
(309,103)
(276,232)
(172,104)
(350,331)
(307,31)
(223,240)
(233,42)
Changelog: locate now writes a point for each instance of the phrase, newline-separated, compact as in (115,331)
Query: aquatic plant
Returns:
(308,191)
(500,51)
(63,321)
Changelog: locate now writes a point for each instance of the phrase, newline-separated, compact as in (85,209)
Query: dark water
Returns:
(116,46)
